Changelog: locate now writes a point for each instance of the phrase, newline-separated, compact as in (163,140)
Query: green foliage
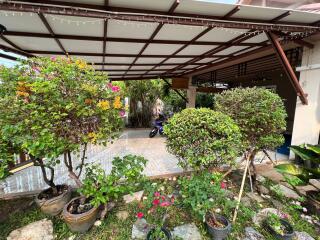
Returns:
(126,172)
(293,180)
(145,92)
(172,100)
(202,193)
(273,220)
(306,152)
(52,106)
(205,100)
(203,138)
(259,113)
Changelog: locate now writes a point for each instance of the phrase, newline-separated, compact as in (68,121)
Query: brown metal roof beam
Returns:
(10,43)
(171,10)
(209,54)
(283,15)
(114,39)
(232,12)
(47,25)
(16,51)
(183,47)
(139,70)
(142,64)
(287,66)
(116,54)
(145,16)
(8,57)
(88,7)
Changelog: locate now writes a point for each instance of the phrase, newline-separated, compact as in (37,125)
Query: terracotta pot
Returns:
(54,206)
(79,222)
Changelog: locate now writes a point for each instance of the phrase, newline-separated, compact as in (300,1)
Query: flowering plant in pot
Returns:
(158,213)
(278,226)
(100,189)
(205,194)
(54,108)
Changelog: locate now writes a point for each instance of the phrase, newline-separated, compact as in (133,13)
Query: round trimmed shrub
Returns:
(202,138)
(260,114)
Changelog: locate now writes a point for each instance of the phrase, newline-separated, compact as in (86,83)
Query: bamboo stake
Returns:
(241,188)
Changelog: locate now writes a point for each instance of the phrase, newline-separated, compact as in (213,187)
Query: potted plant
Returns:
(52,109)
(158,215)
(99,189)
(278,227)
(204,194)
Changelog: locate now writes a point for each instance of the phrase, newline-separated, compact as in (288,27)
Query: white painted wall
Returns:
(306,126)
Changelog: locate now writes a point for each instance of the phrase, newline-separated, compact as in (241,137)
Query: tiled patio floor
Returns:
(160,162)
(132,141)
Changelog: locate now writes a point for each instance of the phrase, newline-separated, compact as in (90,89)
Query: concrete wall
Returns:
(306,126)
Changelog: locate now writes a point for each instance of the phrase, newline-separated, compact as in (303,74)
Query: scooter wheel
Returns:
(153,132)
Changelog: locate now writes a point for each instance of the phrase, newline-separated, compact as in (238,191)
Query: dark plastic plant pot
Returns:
(54,206)
(218,233)
(164,230)
(79,222)
(289,235)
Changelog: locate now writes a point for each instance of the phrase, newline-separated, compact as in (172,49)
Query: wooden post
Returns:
(241,188)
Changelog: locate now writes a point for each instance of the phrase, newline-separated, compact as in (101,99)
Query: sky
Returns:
(10,63)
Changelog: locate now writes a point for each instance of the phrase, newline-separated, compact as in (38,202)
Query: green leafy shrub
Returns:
(55,106)
(259,113)
(203,138)
(101,188)
(202,193)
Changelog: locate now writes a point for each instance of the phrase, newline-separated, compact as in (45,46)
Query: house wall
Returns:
(306,126)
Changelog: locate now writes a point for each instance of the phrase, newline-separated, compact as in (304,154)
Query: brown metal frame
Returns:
(273,38)
(69,9)
(48,27)
(155,32)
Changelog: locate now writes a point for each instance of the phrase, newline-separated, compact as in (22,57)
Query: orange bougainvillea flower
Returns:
(104,105)
(117,102)
(22,94)
(88,101)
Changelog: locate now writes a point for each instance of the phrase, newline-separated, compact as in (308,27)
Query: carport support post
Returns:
(306,126)
(274,40)
(191,95)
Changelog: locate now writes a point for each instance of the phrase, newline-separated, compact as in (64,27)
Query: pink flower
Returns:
(165,204)
(157,194)
(156,202)
(122,113)
(163,198)
(109,85)
(115,89)
(140,215)
(223,185)
(53,59)
(172,199)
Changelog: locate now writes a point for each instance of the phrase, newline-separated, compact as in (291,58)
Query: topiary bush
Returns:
(260,114)
(202,138)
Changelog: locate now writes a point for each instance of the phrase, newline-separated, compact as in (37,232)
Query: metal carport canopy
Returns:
(144,39)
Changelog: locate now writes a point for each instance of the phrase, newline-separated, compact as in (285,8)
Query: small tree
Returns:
(259,113)
(53,107)
(202,138)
